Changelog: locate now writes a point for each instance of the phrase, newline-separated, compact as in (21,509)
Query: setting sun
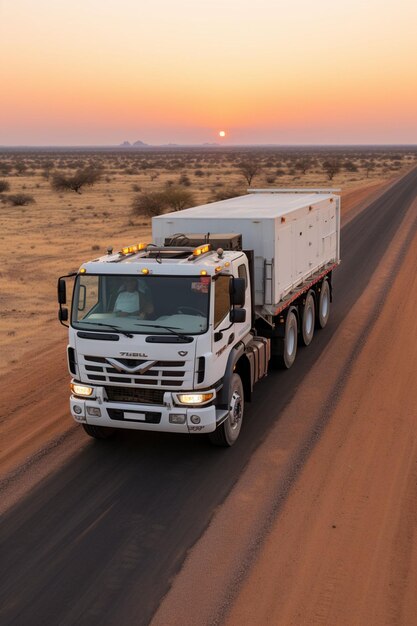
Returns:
(222,133)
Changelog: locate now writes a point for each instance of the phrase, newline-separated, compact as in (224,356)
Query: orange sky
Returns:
(102,71)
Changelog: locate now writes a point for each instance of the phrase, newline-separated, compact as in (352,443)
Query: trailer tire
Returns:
(99,432)
(308,320)
(227,433)
(323,312)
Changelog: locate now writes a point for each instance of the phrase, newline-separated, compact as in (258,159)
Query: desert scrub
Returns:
(19,199)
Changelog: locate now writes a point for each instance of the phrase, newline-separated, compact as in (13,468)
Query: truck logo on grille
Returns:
(142,368)
(182,352)
(142,354)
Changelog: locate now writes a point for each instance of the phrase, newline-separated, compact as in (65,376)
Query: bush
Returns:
(150,203)
(303,165)
(178,199)
(4,186)
(81,178)
(156,202)
(225,194)
(184,180)
(5,169)
(350,166)
(20,199)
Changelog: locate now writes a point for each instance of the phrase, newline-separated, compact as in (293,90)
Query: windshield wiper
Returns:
(171,329)
(119,330)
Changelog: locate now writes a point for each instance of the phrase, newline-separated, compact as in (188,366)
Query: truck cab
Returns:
(155,336)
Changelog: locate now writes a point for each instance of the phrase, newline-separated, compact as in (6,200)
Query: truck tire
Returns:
(290,341)
(323,311)
(99,432)
(227,433)
(308,320)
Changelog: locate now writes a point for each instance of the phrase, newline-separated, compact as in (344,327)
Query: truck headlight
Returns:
(81,390)
(195,398)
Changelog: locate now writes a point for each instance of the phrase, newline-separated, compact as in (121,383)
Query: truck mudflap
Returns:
(161,418)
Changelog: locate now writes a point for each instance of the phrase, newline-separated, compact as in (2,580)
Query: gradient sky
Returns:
(77,72)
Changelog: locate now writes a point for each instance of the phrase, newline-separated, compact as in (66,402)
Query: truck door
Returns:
(223,336)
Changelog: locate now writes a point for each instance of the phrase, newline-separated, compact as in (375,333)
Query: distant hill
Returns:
(125,144)
(139,143)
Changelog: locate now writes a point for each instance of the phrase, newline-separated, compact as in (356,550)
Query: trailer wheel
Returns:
(227,433)
(323,312)
(99,432)
(308,320)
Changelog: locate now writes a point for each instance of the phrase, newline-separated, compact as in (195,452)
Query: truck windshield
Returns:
(144,305)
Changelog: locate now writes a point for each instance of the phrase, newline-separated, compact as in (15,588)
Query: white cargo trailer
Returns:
(173,335)
(293,235)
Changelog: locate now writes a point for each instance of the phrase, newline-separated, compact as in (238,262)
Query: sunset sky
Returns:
(84,72)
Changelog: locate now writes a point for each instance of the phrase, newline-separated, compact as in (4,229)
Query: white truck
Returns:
(173,335)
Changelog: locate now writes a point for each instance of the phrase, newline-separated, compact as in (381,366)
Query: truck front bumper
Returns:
(164,418)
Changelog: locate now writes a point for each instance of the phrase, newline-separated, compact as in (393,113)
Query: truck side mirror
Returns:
(62,291)
(237,316)
(237,291)
(63,314)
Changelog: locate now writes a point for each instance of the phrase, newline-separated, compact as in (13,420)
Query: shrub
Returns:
(149,203)
(184,180)
(303,165)
(81,178)
(350,166)
(4,186)
(5,168)
(225,194)
(20,199)
(154,203)
(178,199)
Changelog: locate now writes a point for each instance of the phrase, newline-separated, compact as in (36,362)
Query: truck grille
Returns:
(134,394)
(168,374)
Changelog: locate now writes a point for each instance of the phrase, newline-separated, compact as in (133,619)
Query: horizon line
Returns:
(203,145)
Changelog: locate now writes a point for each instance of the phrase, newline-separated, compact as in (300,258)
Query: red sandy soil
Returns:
(339,545)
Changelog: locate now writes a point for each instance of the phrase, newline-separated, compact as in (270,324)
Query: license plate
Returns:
(140,417)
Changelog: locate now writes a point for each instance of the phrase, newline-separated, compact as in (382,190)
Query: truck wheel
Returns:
(308,320)
(227,433)
(99,432)
(323,312)
(290,341)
